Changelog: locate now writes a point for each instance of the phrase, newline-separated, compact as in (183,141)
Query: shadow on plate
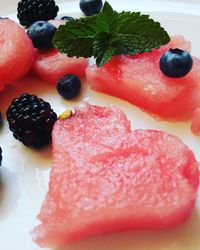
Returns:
(27,84)
(40,158)
(184,237)
(9,192)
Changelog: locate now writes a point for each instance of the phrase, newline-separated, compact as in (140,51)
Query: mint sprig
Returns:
(110,33)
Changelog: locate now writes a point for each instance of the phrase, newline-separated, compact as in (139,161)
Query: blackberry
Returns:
(30,11)
(31,120)
(0,156)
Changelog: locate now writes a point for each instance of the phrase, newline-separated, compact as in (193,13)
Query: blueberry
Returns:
(69,86)
(41,34)
(176,63)
(67,18)
(91,7)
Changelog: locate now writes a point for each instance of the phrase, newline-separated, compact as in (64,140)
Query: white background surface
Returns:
(25,172)
(10,5)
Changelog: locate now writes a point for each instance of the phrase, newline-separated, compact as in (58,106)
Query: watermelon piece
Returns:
(106,178)
(16,52)
(51,65)
(196,122)
(138,80)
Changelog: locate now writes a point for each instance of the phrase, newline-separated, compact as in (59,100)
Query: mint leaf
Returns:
(110,33)
(107,20)
(141,35)
(107,27)
(102,50)
(76,37)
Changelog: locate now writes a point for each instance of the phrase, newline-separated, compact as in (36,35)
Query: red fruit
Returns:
(106,178)
(16,52)
(196,122)
(51,65)
(138,80)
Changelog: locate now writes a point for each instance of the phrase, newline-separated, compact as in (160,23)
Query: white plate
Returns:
(25,173)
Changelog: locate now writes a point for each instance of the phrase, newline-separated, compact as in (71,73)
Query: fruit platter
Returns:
(100,126)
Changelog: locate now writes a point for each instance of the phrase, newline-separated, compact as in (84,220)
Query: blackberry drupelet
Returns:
(31,120)
(30,11)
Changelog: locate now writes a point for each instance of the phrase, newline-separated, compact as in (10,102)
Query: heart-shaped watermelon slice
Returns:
(106,178)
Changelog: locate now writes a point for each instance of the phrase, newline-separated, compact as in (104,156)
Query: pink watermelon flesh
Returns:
(106,178)
(138,80)
(51,65)
(196,122)
(16,52)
